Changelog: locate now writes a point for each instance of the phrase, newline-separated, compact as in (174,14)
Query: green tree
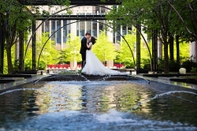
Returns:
(49,54)
(168,17)
(103,48)
(124,55)
(16,19)
(72,48)
(63,57)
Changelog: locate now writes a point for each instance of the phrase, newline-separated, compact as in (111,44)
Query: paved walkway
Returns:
(166,80)
(19,81)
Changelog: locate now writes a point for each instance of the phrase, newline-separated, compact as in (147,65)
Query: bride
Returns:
(93,65)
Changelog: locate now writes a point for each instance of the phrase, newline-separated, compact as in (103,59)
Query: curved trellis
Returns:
(76,22)
(33,33)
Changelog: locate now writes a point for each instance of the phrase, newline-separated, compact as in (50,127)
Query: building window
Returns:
(82,28)
(94,27)
(47,26)
(101,27)
(53,29)
(59,31)
(43,30)
(68,27)
(88,26)
(117,34)
(124,30)
(64,31)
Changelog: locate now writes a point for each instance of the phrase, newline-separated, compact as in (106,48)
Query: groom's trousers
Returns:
(83,55)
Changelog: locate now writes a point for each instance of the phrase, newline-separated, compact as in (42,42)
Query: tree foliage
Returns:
(15,19)
(72,48)
(124,55)
(169,17)
(49,54)
(103,48)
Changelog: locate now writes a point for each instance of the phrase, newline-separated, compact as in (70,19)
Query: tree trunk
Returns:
(154,50)
(177,50)
(9,60)
(171,42)
(166,63)
(2,42)
(138,53)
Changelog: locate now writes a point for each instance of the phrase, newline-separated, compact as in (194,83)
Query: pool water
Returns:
(98,106)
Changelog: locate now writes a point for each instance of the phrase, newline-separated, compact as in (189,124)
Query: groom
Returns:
(84,48)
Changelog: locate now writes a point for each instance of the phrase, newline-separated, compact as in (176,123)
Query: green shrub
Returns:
(194,69)
(174,66)
(129,64)
(188,64)
(28,64)
(42,65)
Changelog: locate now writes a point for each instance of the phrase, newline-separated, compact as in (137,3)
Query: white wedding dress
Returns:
(94,66)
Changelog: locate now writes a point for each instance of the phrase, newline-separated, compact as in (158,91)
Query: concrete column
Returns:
(193,50)
(17,51)
(85,27)
(110,63)
(62,38)
(159,53)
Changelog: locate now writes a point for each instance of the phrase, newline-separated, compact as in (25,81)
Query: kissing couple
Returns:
(91,65)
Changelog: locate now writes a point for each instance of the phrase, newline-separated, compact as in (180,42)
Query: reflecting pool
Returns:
(98,106)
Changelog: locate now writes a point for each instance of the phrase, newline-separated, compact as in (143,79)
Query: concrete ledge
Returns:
(6,80)
(61,77)
(189,80)
(169,75)
(17,75)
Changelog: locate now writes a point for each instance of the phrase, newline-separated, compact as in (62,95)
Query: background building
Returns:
(79,28)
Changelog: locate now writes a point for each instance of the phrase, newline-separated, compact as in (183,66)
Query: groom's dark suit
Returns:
(83,50)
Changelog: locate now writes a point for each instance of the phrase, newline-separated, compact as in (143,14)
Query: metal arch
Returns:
(50,17)
(146,46)
(123,38)
(50,37)
(39,27)
(78,21)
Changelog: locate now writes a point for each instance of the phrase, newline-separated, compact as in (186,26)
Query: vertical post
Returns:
(114,33)
(171,41)
(154,50)
(177,50)
(21,51)
(62,37)
(159,49)
(33,45)
(2,41)
(138,39)
(56,32)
